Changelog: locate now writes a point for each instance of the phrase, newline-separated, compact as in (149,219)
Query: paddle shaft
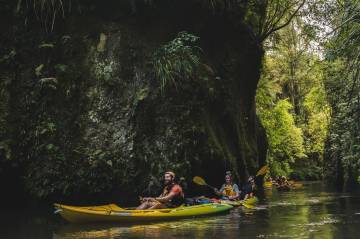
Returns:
(259,173)
(210,186)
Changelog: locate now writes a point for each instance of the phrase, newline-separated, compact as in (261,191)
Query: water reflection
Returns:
(308,213)
(312,212)
(195,228)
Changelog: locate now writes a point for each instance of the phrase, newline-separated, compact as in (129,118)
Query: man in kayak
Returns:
(248,189)
(228,190)
(172,195)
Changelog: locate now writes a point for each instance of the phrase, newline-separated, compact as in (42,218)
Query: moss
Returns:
(112,130)
(102,43)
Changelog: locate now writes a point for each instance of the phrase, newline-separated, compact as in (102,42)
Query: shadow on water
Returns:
(312,212)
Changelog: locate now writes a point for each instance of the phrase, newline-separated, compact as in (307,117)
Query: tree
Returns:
(342,151)
(294,73)
(285,138)
(279,14)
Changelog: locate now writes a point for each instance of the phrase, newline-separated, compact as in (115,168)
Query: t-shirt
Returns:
(248,188)
(176,189)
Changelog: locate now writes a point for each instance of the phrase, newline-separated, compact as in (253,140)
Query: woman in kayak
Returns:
(249,189)
(228,190)
(171,197)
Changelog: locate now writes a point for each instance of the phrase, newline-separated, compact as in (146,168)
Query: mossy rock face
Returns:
(92,119)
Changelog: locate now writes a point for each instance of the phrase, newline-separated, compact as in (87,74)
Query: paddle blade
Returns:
(200,181)
(263,170)
(248,206)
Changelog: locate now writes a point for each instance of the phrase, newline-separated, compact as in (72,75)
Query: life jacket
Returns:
(178,199)
(229,190)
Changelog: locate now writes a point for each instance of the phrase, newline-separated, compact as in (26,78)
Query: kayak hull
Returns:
(268,184)
(113,213)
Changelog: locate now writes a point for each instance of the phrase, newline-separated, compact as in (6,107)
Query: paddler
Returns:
(283,184)
(172,195)
(228,190)
(269,179)
(249,189)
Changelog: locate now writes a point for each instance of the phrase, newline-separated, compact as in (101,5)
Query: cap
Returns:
(171,173)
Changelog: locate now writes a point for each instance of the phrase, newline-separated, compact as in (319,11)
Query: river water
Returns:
(311,212)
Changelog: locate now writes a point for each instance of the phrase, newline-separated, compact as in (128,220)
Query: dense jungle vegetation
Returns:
(99,99)
(308,97)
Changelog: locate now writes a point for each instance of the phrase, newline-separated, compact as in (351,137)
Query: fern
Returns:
(177,60)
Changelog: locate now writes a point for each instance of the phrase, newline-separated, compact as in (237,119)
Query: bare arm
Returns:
(167,198)
(221,191)
(217,192)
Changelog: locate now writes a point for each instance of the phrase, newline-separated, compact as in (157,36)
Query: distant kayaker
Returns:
(283,184)
(228,190)
(171,197)
(269,179)
(248,189)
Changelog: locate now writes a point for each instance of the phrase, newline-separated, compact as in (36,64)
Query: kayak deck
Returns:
(113,213)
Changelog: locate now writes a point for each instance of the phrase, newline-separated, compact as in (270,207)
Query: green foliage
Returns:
(285,138)
(317,113)
(344,138)
(294,74)
(97,124)
(317,129)
(287,141)
(343,90)
(274,15)
(177,60)
(104,70)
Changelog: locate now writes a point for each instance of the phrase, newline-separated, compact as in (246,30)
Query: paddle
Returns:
(200,181)
(262,171)
(248,205)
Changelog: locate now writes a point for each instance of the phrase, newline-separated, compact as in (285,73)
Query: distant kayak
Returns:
(268,184)
(113,213)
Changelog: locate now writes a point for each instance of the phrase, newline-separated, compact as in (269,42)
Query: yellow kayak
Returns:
(113,213)
(250,201)
(268,184)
